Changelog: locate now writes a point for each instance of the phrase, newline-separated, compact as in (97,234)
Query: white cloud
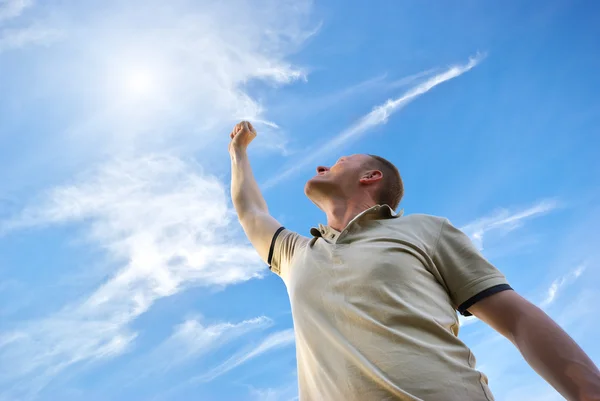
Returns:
(192,339)
(283,393)
(164,223)
(149,75)
(559,283)
(276,340)
(409,80)
(505,220)
(550,296)
(33,35)
(511,378)
(13,8)
(307,106)
(379,115)
(191,342)
(272,342)
(195,336)
(152,74)
(9,338)
(577,311)
(18,37)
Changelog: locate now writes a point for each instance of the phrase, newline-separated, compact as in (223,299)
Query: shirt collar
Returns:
(377,212)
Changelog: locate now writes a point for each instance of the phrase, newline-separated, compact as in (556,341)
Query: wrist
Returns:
(237,154)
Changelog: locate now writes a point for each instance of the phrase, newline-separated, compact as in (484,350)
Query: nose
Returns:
(322,170)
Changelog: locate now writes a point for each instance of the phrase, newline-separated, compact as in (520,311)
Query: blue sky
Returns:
(124,274)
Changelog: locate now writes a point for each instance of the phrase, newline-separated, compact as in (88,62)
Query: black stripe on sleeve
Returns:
(279,230)
(462,309)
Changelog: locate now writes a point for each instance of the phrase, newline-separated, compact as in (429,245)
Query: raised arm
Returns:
(251,208)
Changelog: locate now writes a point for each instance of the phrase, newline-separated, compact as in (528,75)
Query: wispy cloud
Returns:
(190,341)
(18,37)
(276,340)
(510,376)
(283,393)
(272,342)
(164,224)
(570,300)
(411,79)
(194,337)
(13,8)
(505,220)
(303,107)
(379,115)
(559,283)
(175,82)
(33,35)
(551,293)
(194,74)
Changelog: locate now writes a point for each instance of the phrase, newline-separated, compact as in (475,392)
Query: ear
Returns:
(371,177)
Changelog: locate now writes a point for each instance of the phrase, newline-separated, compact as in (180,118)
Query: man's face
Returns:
(342,178)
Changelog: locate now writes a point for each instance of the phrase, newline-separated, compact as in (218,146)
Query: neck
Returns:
(341,211)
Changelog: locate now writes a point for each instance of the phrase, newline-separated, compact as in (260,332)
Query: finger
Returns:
(251,127)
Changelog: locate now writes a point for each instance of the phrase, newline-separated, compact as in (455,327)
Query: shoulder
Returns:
(421,230)
(425,222)
(292,237)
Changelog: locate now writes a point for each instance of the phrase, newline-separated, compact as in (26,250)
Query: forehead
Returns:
(359,159)
(355,157)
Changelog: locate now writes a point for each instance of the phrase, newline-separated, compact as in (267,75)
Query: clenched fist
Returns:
(243,133)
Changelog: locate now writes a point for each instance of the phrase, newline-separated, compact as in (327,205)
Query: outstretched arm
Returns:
(545,346)
(247,199)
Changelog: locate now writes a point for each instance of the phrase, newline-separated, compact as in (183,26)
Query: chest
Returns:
(371,270)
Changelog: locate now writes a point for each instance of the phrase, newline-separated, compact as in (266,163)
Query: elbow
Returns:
(241,205)
(523,317)
(243,213)
(249,217)
(247,209)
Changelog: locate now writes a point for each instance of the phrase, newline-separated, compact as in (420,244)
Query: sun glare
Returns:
(137,88)
(140,82)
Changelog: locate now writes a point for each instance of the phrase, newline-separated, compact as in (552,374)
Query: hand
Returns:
(243,133)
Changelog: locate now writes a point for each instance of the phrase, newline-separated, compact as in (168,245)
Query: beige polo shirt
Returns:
(374,308)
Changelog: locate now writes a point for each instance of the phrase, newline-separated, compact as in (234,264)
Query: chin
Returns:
(308,187)
(317,186)
(312,184)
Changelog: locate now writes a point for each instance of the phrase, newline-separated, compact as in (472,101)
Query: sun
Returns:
(140,82)
(137,87)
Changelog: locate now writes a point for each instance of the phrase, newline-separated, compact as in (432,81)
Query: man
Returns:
(374,295)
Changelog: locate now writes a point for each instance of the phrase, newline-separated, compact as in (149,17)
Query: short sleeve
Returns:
(284,245)
(467,275)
